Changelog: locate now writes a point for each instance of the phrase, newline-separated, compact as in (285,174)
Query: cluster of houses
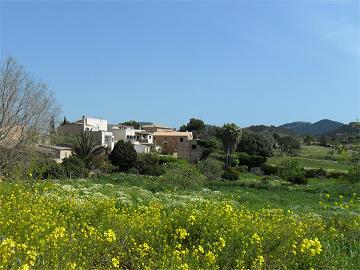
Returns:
(149,138)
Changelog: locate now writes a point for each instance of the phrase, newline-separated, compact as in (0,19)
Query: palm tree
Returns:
(230,135)
(87,148)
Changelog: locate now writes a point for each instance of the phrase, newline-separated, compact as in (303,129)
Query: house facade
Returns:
(57,153)
(97,126)
(169,140)
(191,150)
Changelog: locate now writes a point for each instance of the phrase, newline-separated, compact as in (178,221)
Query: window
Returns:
(181,139)
(149,136)
(193,146)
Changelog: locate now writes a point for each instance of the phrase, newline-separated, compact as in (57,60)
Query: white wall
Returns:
(95,124)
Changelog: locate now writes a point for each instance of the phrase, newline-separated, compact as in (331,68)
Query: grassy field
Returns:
(316,157)
(137,222)
(314,163)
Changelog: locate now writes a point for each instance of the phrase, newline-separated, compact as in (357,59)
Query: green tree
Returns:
(288,145)
(256,144)
(230,135)
(309,140)
(132,123)
(194,125)
(123,156)
(87,148)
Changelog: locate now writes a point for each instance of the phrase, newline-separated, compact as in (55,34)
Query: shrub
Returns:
(149,164)
(74,167)
(211,168)
(183,175)
(250,160)
(336,175)
(315,173)
(299,179)
(231,174)
(354,174)
(123,156)
(293,172)
(243,168)
(167,159)
(270,169)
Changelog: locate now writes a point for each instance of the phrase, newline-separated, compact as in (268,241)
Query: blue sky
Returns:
(248,62)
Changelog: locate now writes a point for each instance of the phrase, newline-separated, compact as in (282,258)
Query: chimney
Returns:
(83,123)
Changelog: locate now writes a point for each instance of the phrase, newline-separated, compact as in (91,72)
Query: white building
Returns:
(142,140)
(97,126)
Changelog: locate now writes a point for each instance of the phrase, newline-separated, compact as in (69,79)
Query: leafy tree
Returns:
(256,144)
(183,175)
(211,168)
(288,145)
(293,172)
(149,164)
(123,156)
(87,148)
(194,125)
(132,123)
(230,135)
(309,140)
(74,167)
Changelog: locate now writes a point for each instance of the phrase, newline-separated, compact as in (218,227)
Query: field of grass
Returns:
(137,222)
(314,163)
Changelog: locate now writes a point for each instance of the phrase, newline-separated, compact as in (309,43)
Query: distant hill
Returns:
(350,130)
(270,129)
(319,128)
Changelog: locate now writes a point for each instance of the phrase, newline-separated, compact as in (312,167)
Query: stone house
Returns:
(170,140)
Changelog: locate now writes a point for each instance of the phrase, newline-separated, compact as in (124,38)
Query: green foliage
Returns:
(211,168)
(64,140)
(74,167)
(231,173)
(315,173)
(183,175)
(288,145)
(194,125)
(48,169)
(270,169)
(293,172)
(149,164)
(167,159)
(250,160)
(256,144)
(243,168)
(87,148)
(354,174)
(230,135)
(309,140)
(132,123)
(123,156)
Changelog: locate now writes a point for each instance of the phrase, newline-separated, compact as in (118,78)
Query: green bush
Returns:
(336,175)
(183,175)
(270,169)
(211,168)
(250,160)
(231,174)
(315,173)
(74,167)
(354,174)
(149,164)
(293,172)
(163,159)
(123,156)
(243,168)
